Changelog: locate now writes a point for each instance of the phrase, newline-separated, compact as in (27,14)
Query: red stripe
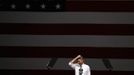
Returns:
(114,6)
(61,72)
(67,29)
(67,52)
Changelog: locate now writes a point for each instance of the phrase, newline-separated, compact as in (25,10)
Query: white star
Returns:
(13,6)
(27,6)
(58,6)
(43,6)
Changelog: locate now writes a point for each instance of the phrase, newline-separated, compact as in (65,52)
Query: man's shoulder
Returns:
(86,65)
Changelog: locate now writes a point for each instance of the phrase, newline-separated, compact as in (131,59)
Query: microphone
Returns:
(80,70)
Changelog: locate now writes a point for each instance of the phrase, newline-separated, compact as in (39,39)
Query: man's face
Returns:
(80,61)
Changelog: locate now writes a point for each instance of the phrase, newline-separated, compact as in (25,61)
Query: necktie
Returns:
(80,70)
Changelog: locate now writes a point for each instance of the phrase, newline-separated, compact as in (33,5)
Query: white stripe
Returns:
(62,63)
(67,40)
(68,17)
(23,63)
(100,0)
(95,64)
(122,64)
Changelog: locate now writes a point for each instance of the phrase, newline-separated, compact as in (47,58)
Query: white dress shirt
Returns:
(76,67)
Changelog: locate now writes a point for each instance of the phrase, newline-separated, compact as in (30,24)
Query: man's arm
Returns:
(74,60)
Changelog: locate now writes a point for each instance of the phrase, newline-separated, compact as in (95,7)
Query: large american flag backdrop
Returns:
(32,32)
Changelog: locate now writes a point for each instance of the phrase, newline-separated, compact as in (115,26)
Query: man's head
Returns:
(80,60)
